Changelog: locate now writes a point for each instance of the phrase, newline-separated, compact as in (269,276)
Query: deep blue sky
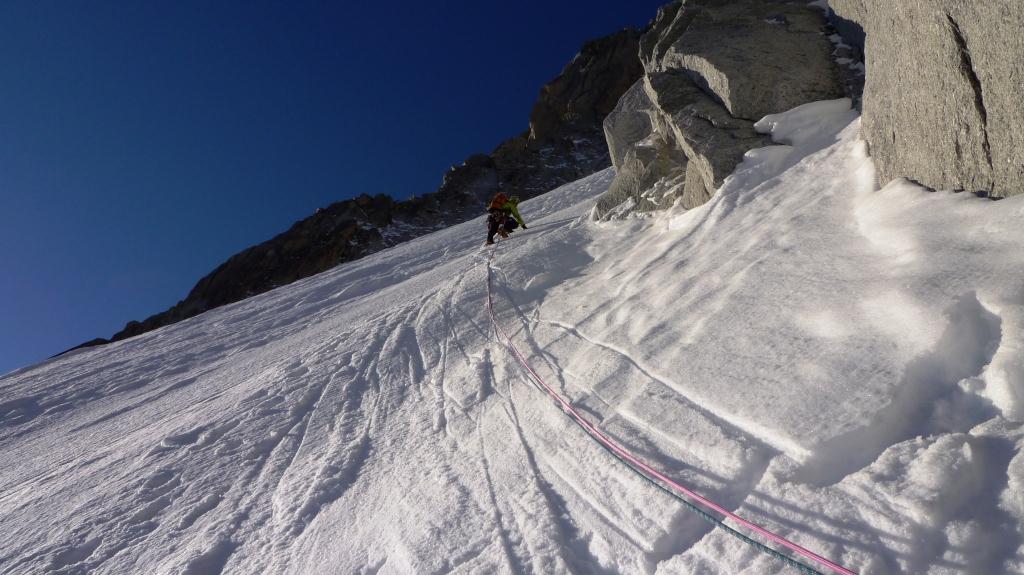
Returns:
(142,143)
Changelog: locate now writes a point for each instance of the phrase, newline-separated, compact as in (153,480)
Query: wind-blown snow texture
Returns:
(838,363)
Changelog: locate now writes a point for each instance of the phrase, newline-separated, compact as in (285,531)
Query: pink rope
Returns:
(652,472)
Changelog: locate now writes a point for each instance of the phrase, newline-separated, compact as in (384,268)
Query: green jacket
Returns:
(513,208)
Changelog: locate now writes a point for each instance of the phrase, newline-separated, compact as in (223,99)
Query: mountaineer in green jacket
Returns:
(504,216)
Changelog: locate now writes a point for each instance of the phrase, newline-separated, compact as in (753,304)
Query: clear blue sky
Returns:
(142,143)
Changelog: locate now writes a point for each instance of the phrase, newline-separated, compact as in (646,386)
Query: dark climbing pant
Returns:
(499,218)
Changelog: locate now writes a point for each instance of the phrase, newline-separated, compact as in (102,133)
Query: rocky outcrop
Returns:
(711,68)
(944,94)
(756,57)
(628,123)
(564,143)
(713,140)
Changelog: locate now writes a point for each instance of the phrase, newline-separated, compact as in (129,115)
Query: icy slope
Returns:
(838,363)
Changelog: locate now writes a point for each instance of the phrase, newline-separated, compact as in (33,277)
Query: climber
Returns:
(504,216)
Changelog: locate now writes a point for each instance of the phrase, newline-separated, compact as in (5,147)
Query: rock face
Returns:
(757,58)
(628,123)
(563,144)
(944,94)
(588,87)
(712,139)
(711,68)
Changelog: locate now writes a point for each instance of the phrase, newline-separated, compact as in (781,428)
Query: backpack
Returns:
(498,201)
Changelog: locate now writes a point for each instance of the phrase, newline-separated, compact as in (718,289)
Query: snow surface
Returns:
(839,363)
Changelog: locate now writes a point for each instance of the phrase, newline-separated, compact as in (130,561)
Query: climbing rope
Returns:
(683,494)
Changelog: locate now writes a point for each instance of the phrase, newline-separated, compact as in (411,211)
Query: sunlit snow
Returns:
(838,363)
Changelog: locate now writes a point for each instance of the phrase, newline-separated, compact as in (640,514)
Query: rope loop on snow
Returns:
(666,484)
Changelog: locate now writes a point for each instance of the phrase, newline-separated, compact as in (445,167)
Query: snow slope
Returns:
(838,363)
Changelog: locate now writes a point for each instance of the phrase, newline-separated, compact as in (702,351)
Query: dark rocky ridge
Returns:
(564,143)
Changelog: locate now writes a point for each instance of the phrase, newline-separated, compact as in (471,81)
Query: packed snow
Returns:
(839,363)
